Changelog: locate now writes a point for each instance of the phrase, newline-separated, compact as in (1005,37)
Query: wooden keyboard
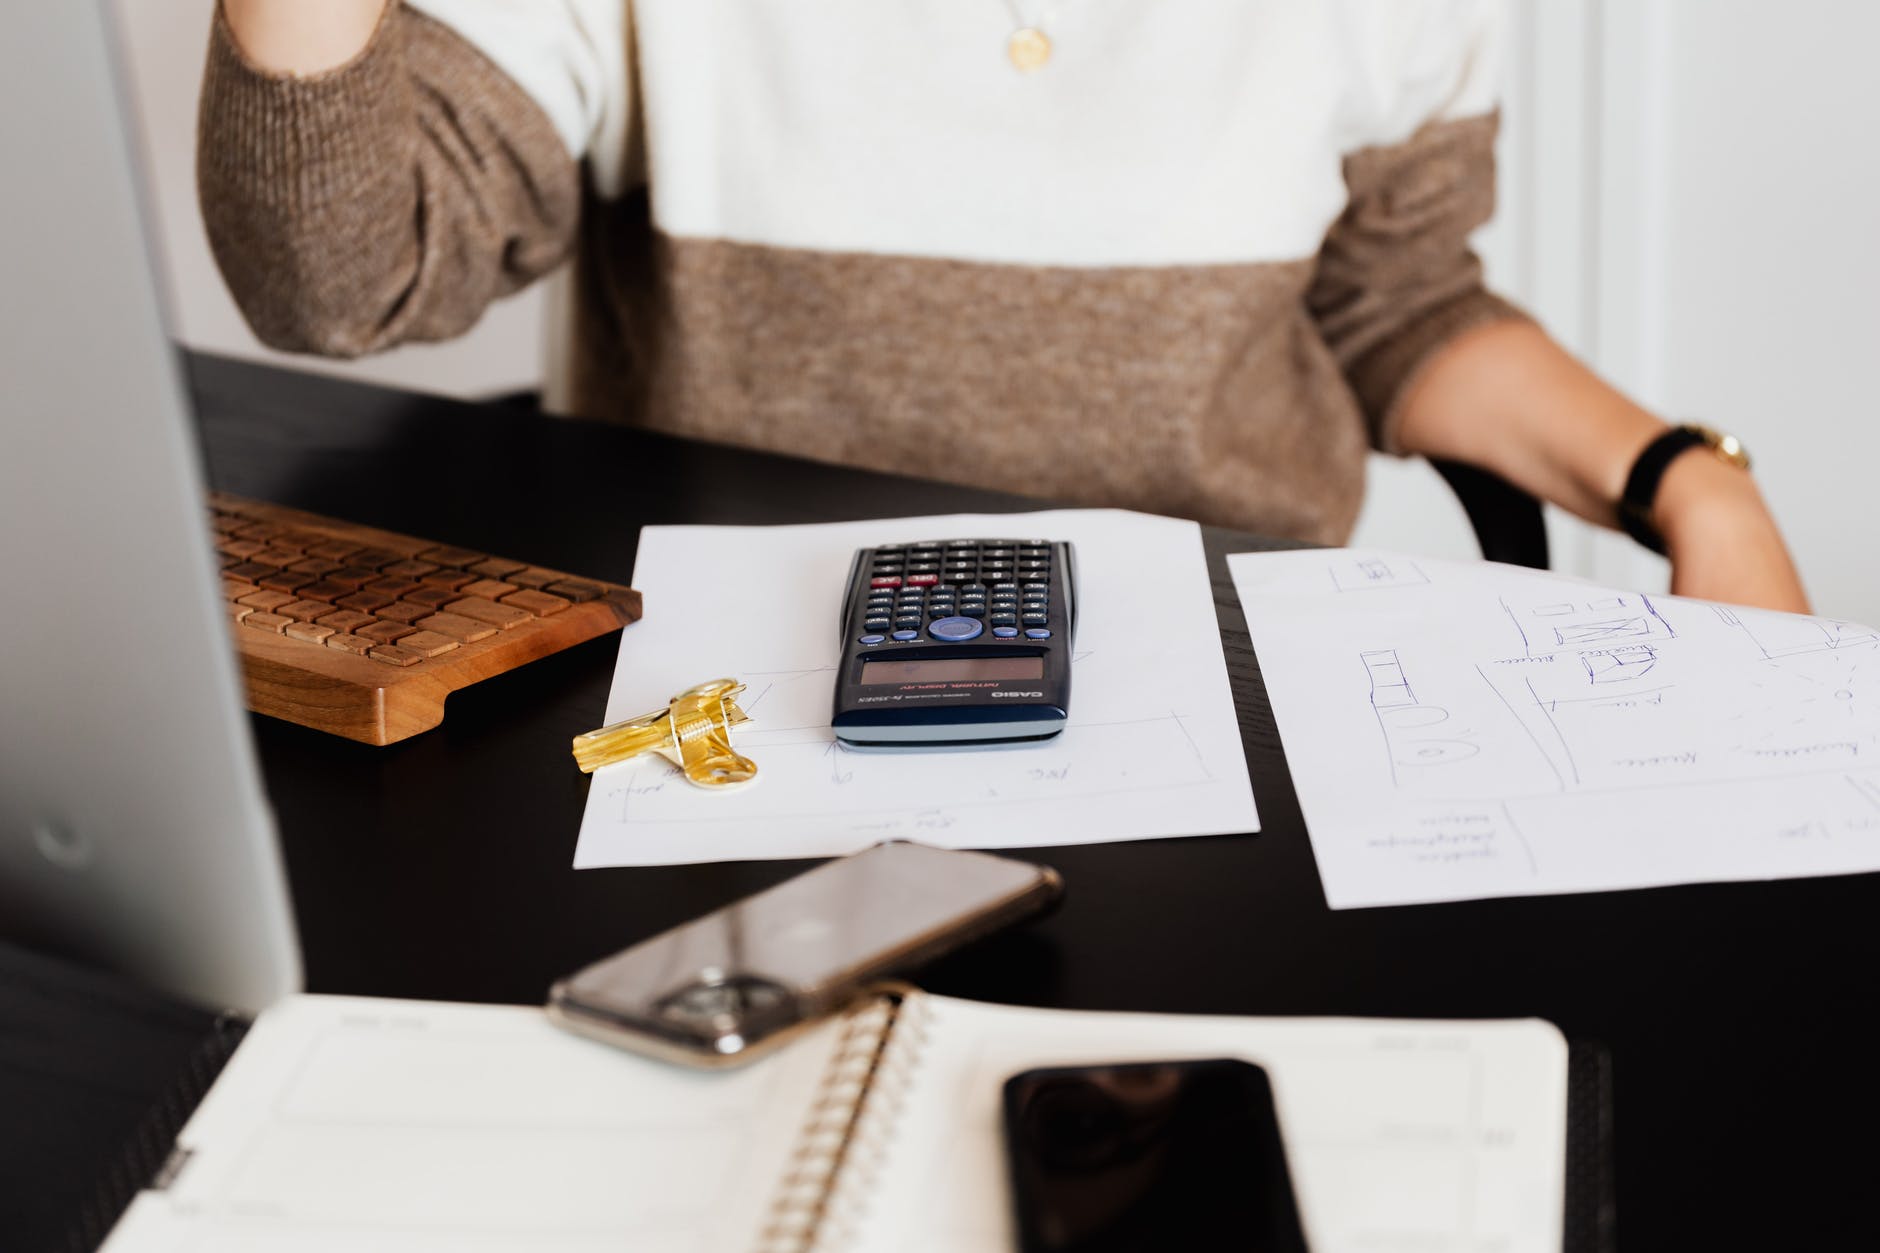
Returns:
(363,633)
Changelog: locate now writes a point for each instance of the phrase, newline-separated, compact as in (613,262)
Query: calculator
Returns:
(956,642)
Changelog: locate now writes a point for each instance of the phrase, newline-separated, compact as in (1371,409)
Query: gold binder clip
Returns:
(693,733)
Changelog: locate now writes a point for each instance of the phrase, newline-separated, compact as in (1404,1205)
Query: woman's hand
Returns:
(302,37)
(1721,539)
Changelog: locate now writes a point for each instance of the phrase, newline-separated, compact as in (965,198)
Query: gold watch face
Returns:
(1727,446)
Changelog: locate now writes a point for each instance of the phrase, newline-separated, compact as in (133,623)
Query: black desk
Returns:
(440,867)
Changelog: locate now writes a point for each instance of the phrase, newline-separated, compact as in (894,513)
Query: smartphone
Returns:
(960,642)
(1149,1155)
(724,989)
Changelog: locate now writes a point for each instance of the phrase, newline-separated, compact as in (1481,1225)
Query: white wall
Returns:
(1687,192)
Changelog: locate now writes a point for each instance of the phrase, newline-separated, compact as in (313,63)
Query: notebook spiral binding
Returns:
(846,1132)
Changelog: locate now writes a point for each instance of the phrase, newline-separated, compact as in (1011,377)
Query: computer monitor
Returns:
(134,831)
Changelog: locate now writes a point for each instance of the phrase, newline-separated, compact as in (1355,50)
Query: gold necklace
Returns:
(1028,47)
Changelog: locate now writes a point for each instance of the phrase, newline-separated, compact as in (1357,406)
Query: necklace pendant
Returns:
(1029,48)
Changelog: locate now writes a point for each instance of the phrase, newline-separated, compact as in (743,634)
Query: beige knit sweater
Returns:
(1189,266)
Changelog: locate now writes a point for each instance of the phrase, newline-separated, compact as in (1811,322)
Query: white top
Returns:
(1210,131)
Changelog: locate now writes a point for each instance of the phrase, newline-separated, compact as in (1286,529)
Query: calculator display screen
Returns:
(952,669)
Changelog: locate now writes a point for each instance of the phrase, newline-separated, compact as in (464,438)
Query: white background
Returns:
(1687,201)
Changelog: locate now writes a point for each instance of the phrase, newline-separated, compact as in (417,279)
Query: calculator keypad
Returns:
(970,586)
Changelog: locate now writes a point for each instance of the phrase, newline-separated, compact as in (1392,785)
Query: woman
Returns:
(1187,257)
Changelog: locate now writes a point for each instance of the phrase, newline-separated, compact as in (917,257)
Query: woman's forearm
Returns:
(302,37)
(1507,398)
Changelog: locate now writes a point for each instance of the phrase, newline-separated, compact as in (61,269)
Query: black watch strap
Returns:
(1641,486)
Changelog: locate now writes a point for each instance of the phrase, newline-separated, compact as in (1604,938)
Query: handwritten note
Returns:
(1462,730)
(1153,746)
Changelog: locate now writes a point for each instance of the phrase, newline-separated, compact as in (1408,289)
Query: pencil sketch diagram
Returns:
(1478,730)
(1599,626)
(1615,694)
(1788,635)
(868,791)
(1611,689)
(1417,736)
(1372,573)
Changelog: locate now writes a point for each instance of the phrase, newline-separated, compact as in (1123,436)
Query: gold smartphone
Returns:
(726,988)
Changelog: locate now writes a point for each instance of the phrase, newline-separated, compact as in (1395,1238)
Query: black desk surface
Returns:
(1735,1015)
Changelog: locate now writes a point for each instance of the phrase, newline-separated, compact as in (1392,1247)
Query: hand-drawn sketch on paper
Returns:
(1475,730)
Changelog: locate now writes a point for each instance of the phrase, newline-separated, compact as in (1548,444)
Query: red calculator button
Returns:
(892,580)
(922,580)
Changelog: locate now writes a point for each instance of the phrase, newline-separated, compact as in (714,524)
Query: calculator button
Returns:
(1037,633)
(908,620)
(1005,587)
(994,552)
(1003,619)
(1037,587)
(905,636)
(875,624)
(1005,632)
(972,611)
(922,580)
(885,580)
(975,589)
(954,630)
(1036,619)
(871,639)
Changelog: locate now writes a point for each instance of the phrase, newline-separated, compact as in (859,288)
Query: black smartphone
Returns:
(1149,1155)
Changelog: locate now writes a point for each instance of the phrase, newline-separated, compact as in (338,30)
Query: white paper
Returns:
(411,1127)
(1152,747)
(1460,730)
(1401,1137)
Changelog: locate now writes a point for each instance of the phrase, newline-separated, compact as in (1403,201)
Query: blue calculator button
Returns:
(1005,633)
(954,630)
(905,636)
(872,639)
(1037,633)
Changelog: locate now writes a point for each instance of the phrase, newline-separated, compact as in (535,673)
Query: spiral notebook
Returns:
(419,1127)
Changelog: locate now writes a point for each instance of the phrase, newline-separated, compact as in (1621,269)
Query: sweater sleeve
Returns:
(1396,279)
(386,201)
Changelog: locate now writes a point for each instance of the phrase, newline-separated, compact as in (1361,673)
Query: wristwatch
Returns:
(1641,486)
